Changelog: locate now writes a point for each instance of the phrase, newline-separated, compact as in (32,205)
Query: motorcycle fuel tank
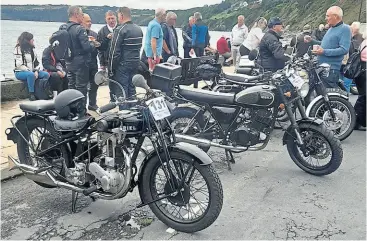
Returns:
(261,95)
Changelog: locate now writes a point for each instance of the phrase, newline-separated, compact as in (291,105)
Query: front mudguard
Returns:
(289,133)
(320,97)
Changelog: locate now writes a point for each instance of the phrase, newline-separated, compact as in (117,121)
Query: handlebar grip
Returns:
(107,107)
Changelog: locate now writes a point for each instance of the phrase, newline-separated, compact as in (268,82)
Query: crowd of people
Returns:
(118,45)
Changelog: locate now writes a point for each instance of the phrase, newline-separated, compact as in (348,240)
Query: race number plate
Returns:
(158,108)
(296,81)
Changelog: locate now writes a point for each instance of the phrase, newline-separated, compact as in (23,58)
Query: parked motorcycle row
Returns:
(98,156)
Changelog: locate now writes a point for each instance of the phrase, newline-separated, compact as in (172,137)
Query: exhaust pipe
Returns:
(200,141)
(32,172)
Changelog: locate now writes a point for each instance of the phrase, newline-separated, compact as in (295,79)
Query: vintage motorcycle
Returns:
(98,157)
(245,121)
(330,105)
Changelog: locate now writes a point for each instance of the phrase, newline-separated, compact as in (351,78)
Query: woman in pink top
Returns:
(360,105)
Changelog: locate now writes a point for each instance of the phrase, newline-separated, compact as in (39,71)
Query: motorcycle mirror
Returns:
(101,77)
(139,81)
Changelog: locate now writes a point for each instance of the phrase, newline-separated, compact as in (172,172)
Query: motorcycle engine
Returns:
(255,128)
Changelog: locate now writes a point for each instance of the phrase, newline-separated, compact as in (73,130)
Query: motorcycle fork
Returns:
(321,90)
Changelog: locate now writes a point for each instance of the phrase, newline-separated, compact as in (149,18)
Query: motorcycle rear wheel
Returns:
(319,142)
(24,150)
(148,191)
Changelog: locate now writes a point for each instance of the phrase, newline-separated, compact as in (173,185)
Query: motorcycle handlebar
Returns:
(107,107)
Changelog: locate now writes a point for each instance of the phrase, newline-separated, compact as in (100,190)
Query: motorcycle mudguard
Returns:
(187,110)
(314,101)
(194,151)
(287,133)
(12,133)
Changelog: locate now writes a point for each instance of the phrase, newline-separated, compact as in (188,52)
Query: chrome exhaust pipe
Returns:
(198,141)
(32,172)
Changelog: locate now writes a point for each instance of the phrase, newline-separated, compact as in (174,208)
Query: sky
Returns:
(140,4)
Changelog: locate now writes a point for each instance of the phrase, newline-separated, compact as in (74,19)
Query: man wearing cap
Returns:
(299,43)
(271,52)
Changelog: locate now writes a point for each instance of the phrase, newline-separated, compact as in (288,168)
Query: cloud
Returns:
(141,4)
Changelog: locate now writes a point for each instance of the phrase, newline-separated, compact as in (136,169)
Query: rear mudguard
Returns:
(189,111)
(318,98)
(12,133)
(289,132)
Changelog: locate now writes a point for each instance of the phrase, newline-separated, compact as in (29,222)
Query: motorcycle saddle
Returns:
(38,106)
(206,96)
(240,78)
(71,125)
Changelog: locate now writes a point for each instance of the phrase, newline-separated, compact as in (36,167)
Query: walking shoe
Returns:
(93,107)
(32,97)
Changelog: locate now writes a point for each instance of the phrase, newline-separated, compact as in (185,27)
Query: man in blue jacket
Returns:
(334,45)
(200,36)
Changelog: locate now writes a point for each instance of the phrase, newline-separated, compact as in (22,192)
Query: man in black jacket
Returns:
(93,66)
(104,37)
(187,37)
(81,49)
(170,39)
(271,52)
(298,42)
(124,57)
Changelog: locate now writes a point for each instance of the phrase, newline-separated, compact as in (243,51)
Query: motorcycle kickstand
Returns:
(229,159)
(74,198)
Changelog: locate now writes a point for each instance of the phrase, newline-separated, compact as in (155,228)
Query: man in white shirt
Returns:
(239,34)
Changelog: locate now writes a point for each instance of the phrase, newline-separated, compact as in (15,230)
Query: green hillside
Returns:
(223,16)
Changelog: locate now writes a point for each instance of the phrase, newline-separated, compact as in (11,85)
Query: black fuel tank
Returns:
(261,95)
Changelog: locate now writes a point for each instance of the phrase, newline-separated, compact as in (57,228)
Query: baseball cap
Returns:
(274,21)
(307,28)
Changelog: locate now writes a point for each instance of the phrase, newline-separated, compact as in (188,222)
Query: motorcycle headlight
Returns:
(303,91)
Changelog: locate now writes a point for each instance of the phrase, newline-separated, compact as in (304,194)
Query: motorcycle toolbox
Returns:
(165,76)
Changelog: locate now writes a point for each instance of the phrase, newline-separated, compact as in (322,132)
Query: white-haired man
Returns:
(238,36)
(154,39)
(170,39)
(187,37)
(357,37)
(334,46)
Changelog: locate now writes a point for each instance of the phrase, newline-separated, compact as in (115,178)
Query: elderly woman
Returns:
(26,63)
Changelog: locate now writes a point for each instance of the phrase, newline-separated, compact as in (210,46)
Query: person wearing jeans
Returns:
(26,63)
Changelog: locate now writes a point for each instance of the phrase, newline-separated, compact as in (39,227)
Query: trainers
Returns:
(32,97)
(93,107)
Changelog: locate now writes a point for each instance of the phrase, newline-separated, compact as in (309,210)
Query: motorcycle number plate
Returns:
(296,81)
(158,108)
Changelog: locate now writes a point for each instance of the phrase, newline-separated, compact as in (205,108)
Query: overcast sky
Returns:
(141,4)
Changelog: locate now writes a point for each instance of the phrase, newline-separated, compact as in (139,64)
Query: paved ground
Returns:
(266,196)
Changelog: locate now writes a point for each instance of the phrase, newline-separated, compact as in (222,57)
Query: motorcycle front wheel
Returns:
(345,114)
(193,208)
(321,144)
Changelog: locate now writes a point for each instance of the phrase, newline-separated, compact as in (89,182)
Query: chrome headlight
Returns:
(303,91)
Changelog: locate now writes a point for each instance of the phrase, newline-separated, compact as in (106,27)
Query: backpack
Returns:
(353,68)
(42,89)
(62,43)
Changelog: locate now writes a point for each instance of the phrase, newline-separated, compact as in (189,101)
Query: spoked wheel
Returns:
(324,151)
(192,208)
(344,112)
(40,136)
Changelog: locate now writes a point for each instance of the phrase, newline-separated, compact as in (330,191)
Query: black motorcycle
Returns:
(98,158)
(245,121)
(330,105)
